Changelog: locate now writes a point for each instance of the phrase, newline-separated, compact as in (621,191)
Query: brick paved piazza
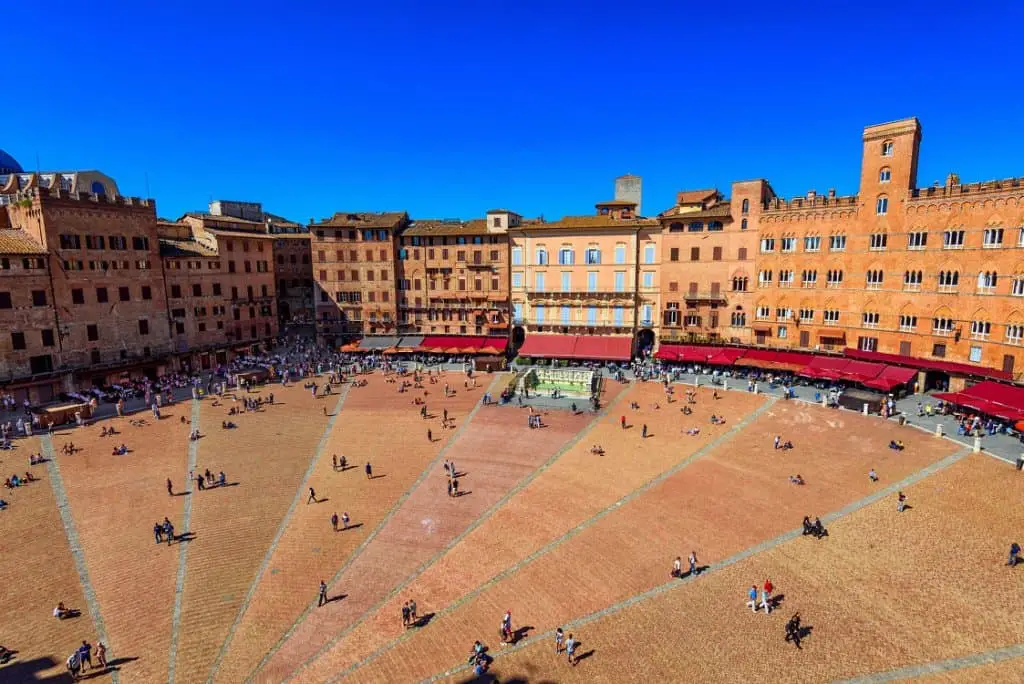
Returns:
(544,527)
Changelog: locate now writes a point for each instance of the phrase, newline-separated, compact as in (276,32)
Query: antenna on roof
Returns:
(146,173)
(39,168)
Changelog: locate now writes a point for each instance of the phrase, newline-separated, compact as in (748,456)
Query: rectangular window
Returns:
(538,312)
(38,297)
(17,340)
(517,256)
(47,337)
(975,354)
(566,256)
(77,296)
(565,313)
(867,343)
(539,282)
(620,254)
(566,281)
(592,315)
(5,300)
(716,253)
(92,332)
(789,244)
(648,279)
(593,255)
(517,279)
(143,327)
(879,241)
(618,314)
(695,254)
(620,281)
(124,293)
(674,254)
(649,251)
(68,241)
(592,281)
(837,243)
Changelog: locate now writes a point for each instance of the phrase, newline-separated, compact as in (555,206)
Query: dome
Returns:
(9,164)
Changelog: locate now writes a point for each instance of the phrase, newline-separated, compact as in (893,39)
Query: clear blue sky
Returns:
(447,109)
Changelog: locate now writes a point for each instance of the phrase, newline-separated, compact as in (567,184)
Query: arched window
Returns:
(887,148)
(746,206)
(884,175)
(98,189)
(743,224)
(882,205)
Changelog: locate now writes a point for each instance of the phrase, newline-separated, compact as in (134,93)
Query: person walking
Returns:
(412,611)
(310,499)
(322,599)
(1014,555)
(901,502)
(559,641)
(570,650)
(449,487)
(693,563)
(369,471)
(158,532)
(778,440)
(405,614)
(622,422)
(766,597)
(101,655)
(677,567)
(168,531)
(85,655)
(430,435)
(170,488)
(334,521)
(344,520)
(872,475)
(335,460)
(752,598)
(201,481)
(643,431)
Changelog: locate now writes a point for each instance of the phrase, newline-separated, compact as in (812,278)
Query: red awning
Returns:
(825,367)
(548,346)
(726,356)
(600,348)
(891,377)
(1011,397)
(862,371)
(667,352)
(929,364)
(978,404)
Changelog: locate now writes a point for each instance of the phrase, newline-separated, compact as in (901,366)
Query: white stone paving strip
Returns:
(732,560)
(939,666)
(647,486)
(60,494)
(300,495)
(179,586)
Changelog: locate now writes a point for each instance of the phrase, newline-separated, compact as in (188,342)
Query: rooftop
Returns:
(184,248)
(18,242)
(617,203)
(580,222)
(387,219)
(720,210)
(696,196)
(442,227)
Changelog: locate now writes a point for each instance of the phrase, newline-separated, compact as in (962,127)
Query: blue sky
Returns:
(447,109)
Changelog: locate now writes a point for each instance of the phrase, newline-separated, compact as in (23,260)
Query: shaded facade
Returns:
(453,276)
(106,285)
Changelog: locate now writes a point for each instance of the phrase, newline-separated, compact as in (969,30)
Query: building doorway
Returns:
(644,342)
(518,337)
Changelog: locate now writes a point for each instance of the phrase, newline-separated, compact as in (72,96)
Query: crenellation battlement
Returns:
(954,190)
(812,200)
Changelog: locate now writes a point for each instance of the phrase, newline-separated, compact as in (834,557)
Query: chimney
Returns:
(831,193)
(952,179)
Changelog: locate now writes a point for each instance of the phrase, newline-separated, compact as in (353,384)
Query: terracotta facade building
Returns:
(354,264)
(583,275)
(934,272)
(106,287)
(708,245)
(453,276)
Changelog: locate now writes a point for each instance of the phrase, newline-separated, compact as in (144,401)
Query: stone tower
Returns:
(630,188)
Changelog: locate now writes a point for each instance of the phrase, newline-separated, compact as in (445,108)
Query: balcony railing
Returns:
(578,327)
(581,294)
(700,295)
